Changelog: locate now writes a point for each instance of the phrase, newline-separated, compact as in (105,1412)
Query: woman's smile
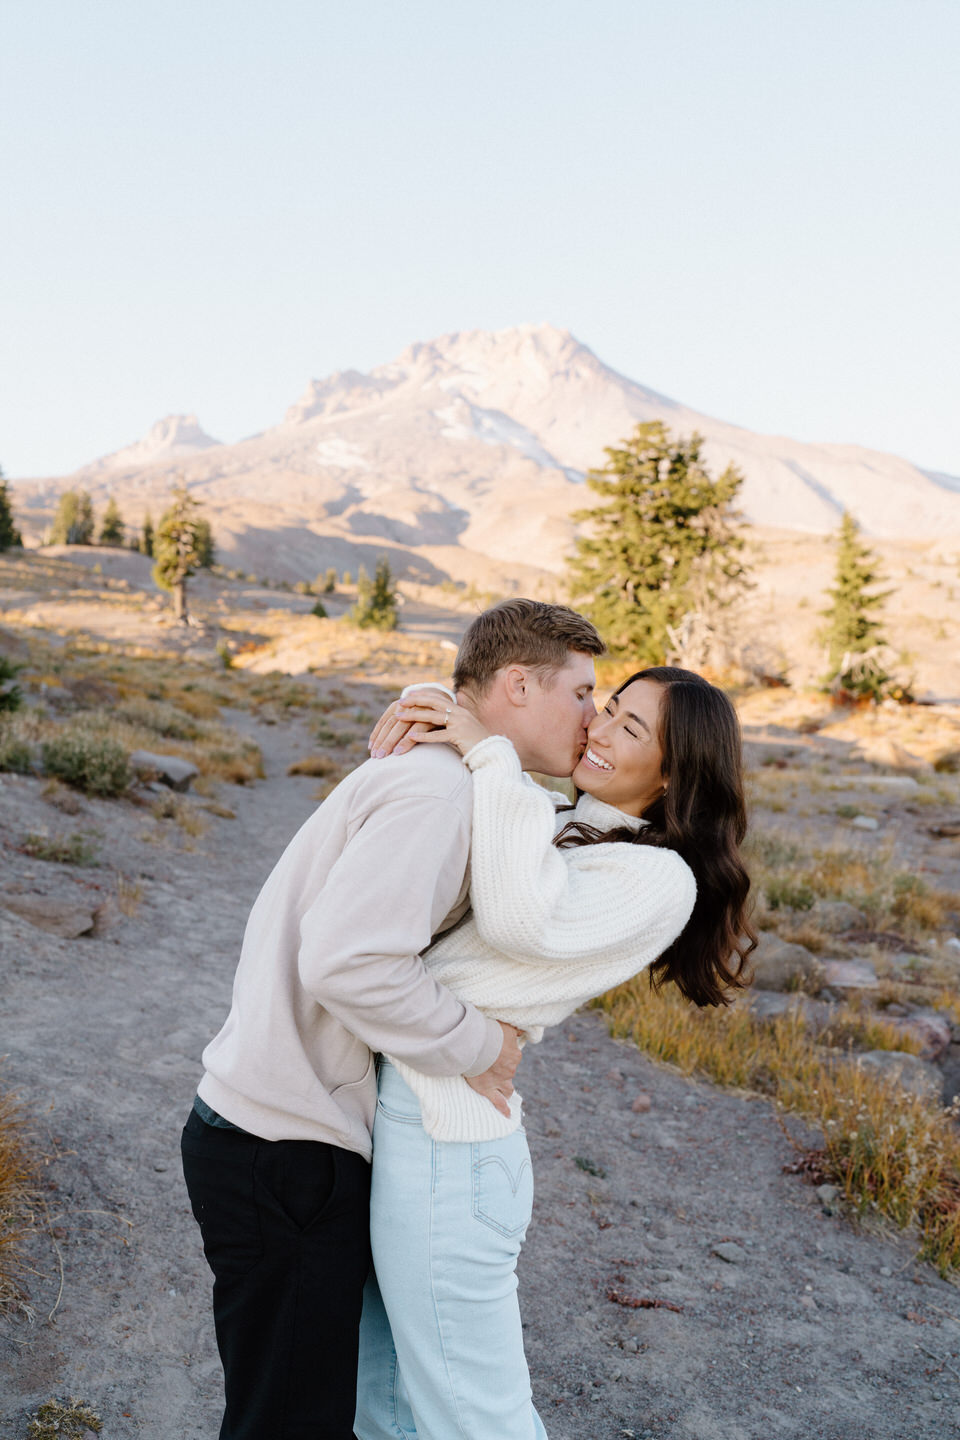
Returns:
(623,763)
(590,757)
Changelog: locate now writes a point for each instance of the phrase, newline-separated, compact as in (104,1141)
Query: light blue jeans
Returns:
(441,1345)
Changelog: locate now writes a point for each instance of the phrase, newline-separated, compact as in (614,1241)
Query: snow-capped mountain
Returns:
(469,451)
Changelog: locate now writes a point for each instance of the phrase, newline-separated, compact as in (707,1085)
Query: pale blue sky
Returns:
(751,207)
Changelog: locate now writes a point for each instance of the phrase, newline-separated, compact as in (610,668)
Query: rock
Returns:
(883,750)
(173,771)
(895,784)
(826,1194)
(641,1104)
(771,1004)
(779,965)
(909,1071)
(729,1251)
(60,917)
(865,822)
(953,943)
(849,975)
(932,1030)
(835,916)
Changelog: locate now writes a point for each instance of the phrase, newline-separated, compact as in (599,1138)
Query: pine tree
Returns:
(111,528)
(73,522)
(206,549)
(853,638)
(147,535)
(662,544)
(9,534)
(376,599)
(176,549)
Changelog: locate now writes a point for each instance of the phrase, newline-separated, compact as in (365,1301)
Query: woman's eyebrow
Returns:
(639,721)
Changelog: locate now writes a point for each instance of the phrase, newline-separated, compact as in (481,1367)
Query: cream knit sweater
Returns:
(549,930)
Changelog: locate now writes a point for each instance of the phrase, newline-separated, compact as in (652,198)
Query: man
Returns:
(276,1149)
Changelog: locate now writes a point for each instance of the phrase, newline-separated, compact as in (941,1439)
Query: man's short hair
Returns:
(522,632)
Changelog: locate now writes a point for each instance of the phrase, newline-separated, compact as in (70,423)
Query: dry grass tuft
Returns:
(19,1200)
(75,849)
(892,1152)
(315,765)
(129,895)
(792,879)
(63,1420)
(172,806)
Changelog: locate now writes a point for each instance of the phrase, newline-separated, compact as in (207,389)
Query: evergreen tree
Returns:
(853,638)
(73,522)
(662,544)
(206,549)
(376,599)
(176,549)
(9,534)
(111,528)
(147,535)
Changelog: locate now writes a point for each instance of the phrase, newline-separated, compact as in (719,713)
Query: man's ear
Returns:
(516,684)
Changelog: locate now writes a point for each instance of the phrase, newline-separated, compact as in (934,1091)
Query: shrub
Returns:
(92,763)
(319,610)
(159,716)
(11,696)
(74,849)
(784,893)
(376,605)
(15,754)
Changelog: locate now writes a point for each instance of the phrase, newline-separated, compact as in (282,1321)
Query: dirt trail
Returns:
(814,1331)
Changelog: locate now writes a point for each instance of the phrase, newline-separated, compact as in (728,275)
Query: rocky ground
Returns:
(677,1284)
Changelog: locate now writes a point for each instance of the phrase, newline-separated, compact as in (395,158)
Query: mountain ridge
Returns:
(478,442)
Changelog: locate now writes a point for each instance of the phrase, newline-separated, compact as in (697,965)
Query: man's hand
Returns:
(496,1084)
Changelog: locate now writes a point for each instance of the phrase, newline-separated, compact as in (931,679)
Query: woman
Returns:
(646,872)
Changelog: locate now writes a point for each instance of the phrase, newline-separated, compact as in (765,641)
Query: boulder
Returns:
(780,965)
(835,916)
(865,822)
(849,975)
(909,1071)
(932,1030)
(771,1004)
(170,769)
(65,918)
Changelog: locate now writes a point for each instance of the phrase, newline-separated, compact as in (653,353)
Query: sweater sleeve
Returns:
(361,939)
(535,902)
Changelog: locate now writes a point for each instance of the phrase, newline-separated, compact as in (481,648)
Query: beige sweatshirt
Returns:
(330,968)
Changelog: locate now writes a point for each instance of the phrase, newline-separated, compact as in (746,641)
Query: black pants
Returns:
(285,1228)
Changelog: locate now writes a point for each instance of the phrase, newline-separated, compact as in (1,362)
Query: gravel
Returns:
(675,1284)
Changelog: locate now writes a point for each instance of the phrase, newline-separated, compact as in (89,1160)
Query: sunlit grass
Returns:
(18,1202)
(892,1152)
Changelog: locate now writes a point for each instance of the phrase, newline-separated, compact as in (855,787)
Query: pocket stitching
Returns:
(512,1231)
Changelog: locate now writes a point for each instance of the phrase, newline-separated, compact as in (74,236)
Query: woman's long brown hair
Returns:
(702,815)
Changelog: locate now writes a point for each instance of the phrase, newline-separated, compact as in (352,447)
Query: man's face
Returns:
(556,717)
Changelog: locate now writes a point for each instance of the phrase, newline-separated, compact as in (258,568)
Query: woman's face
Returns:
(622,762)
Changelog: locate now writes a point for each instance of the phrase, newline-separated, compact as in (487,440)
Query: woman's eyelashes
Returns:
(609,710)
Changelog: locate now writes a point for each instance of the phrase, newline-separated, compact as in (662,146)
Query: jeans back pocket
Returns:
(503,1184)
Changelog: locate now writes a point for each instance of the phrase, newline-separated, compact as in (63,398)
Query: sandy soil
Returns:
(817,1330)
